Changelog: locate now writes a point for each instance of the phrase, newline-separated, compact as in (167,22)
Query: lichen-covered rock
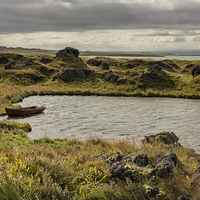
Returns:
(141,160)
(164,166)
(164,137)
(121,171)
(114,158)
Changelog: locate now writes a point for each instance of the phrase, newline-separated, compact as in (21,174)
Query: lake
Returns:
(155,58)
(130,118)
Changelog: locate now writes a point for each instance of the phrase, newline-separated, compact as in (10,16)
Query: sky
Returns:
(101,25)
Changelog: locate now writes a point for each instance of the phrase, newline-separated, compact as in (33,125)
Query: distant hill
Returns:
(4,49)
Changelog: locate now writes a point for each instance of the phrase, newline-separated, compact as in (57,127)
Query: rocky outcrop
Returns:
(151,74)
(67,52)
(189,66)
(105,66)
(20,64)
(195,70)
(94,62)
(158,63)
(45,60)
(68,74)
(122,171)
(3,60)
(164,138)
(113,78)
(164,166)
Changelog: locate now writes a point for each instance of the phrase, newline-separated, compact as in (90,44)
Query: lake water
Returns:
(114,117)
(155,58)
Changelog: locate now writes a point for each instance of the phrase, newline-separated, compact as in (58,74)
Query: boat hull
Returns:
(24,111)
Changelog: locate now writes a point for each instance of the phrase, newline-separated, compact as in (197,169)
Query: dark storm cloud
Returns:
(78,15)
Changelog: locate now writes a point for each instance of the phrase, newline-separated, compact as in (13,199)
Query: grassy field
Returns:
(67,169)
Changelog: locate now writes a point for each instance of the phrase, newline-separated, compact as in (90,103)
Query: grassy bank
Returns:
(67,169)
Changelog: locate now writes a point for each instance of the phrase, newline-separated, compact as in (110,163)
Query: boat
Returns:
(24,111)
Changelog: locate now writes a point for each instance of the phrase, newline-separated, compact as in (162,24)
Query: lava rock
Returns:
(3,60)
(105,66)
(158,63)
(195,70)
(164,137)
(164,166)
(149,76)
(114,158)
(68,74)
(68,51)
(141,160)
(121,171)
(45,60)
(94,62)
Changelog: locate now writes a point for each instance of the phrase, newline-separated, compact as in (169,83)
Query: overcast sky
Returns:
(101,24)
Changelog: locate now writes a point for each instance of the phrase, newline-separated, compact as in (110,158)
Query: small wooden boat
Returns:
(24,111)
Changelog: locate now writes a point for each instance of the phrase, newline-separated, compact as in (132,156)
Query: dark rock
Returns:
(68,51)
(120,81)
(195,70)
(80,59)
(84,73)
(94,62)
(111,77)
(158,63)
(121,171)
(68,74)
(114,158)
(10,65)
(102,157)
(149,76)
(23,64)
(3,60)
(141,160)
(129,65)
(45,60)
(152,192)
(164,137)
(189,66)
(157,68)
(164,166)
(105,66)
(43,68)
(20,64)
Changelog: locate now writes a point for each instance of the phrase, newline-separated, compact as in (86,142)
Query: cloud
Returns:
(70,15)
(100,24)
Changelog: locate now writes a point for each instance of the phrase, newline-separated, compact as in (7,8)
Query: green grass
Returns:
(66,169)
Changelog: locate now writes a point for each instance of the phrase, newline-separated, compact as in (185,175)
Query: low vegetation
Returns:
(73,169)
